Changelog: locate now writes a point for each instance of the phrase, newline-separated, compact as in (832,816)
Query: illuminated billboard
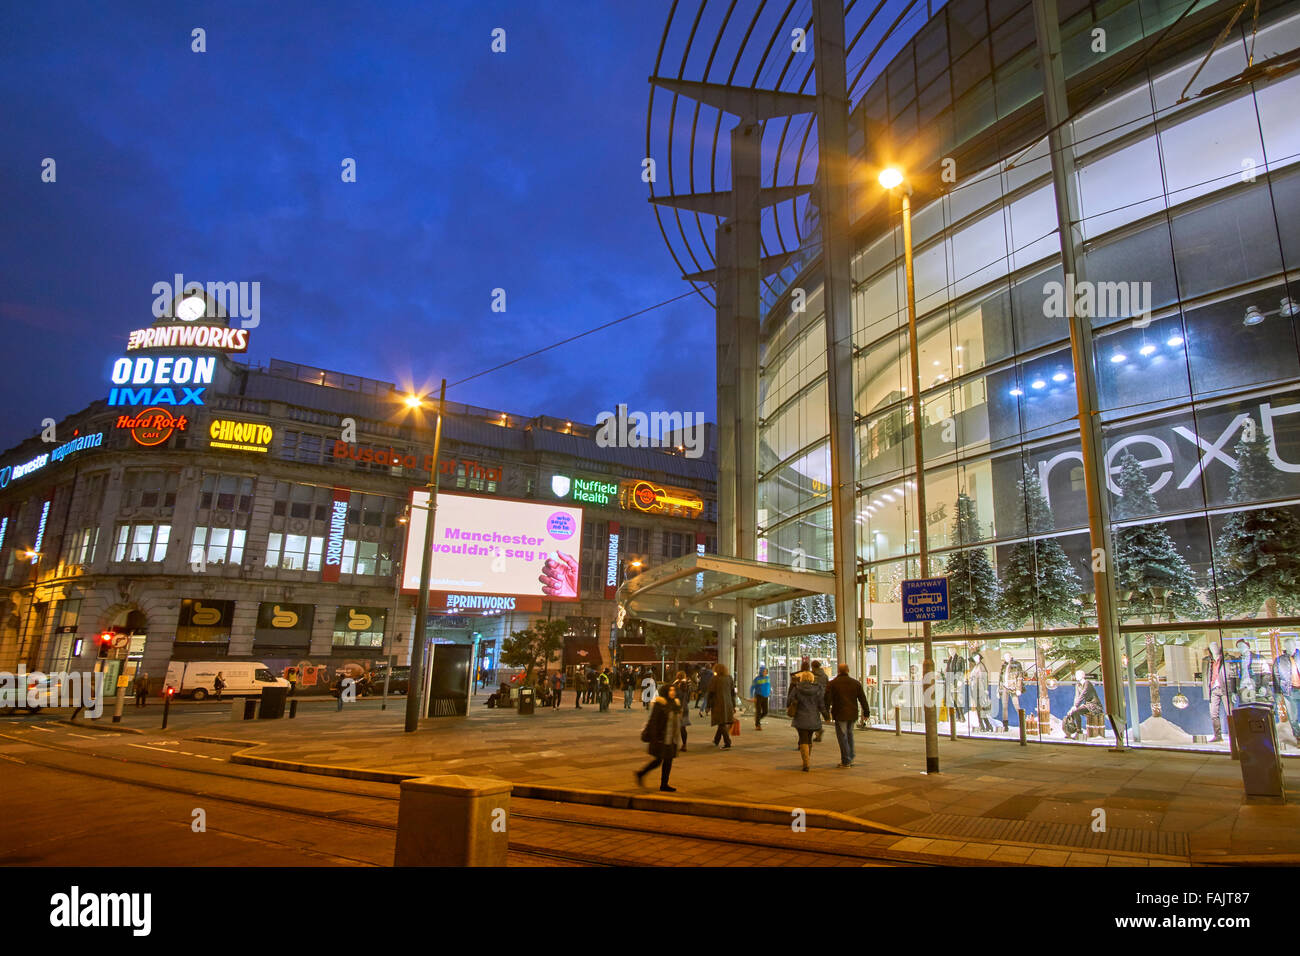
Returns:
(496,546)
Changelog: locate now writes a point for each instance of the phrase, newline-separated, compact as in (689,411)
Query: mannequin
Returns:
(1086,704)
(1214,686)
(978,683)
(1011,684)
(1245,685)
(1286,685)
(954,683)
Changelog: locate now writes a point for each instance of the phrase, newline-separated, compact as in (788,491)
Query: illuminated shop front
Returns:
(1190,245)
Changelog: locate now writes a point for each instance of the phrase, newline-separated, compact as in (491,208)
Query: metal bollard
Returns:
(293,709)
(898,722)
(952,723)
(1020,713)
(452,821)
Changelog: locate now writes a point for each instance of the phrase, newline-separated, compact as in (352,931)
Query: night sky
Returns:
(475,171)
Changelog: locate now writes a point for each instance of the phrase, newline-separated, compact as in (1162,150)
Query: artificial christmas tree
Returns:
(1038,583)
(1151,578)
(972,584)
(1257,554)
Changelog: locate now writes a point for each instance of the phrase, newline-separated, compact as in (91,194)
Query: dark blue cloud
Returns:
(475,171)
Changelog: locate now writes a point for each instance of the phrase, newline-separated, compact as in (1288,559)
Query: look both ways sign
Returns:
(925,599)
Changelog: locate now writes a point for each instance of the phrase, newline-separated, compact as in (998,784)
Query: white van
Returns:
(243,678)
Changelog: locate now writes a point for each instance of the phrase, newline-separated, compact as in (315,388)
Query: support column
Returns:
(1061,149)
(833,170)
(746,184)
(725,243)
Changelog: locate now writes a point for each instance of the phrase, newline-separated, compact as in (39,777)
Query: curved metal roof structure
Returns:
(754,44)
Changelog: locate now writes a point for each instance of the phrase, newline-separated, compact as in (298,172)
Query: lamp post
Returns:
(414,689)
(399,569)
(891,179)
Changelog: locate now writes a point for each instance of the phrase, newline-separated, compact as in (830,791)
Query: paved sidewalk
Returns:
(1160,805)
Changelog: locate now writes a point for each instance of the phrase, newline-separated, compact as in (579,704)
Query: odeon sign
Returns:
(13,472)
(166,371)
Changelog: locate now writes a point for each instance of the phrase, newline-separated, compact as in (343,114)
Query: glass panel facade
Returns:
(1186,251)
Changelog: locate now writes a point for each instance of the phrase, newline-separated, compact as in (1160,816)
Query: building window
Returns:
(362,557)
(674,544)
(80,546)
(359,627)
(301,501)
(373,511)
(149,489)
(217,546)
(637,540)
(302,446)
(294,552)
(142,542)
(231,493)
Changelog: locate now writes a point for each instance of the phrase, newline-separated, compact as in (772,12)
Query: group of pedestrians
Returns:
(812,699)
(711,692)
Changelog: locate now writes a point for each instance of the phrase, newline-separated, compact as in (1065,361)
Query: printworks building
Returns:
(209,509)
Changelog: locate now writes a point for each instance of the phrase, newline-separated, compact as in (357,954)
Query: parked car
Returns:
(397,683)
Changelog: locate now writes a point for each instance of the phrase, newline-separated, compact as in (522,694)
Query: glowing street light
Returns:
(892,178)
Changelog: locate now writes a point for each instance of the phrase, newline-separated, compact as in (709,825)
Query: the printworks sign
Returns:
(334,535)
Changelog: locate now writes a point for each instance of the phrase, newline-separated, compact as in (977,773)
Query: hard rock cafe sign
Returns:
(153,426)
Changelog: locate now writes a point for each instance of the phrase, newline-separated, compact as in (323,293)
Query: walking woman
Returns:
(808,701)
(660,735)
(682,691)
(722,698)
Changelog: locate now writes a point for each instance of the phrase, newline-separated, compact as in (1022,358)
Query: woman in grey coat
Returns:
(722,696)
(810,701)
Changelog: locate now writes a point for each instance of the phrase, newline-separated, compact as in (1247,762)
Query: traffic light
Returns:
(105,642)
(170,691)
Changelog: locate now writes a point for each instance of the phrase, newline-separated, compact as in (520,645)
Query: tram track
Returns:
(534,813)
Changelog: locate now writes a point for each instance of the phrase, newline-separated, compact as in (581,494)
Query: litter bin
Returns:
(1256,738)
(250,708)
(527,700)
(272,706)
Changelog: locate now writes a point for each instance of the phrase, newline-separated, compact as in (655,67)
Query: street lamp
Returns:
(892,178)
(415,685)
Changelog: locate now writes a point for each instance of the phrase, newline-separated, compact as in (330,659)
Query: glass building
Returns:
(1188,191)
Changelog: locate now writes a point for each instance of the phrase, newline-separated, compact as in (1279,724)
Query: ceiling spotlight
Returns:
(1118,357)
(1174,341)
(1017,392)
(1038,383)
(1059,377)
(1253,316)
(1146,349)
(1289,307)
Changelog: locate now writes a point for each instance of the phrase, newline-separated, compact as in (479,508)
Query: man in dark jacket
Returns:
(844,694)
(823,680)
(706,678)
